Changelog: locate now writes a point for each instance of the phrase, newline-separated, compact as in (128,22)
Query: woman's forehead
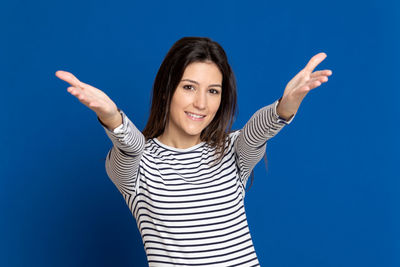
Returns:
(203,72)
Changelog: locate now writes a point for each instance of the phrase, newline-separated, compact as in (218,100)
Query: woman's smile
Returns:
(195,116)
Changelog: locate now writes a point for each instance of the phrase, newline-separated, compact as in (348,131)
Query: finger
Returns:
(70,89)
(77,92)
(314,62)
(319,80)
(314,83)
(73,90)
(321,73)
(69,78)
(311,84)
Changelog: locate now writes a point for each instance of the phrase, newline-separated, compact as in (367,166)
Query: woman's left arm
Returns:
(267,122)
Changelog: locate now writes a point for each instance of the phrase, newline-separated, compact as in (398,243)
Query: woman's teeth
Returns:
(195,116)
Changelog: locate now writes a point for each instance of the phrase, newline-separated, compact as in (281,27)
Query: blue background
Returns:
(330,196)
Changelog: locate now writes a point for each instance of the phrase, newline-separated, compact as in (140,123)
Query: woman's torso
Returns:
(189,211)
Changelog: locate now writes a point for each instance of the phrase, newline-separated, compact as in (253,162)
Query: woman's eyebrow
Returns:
(198,83)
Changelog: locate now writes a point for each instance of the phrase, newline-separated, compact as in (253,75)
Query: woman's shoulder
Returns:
(231,138)
(232,135)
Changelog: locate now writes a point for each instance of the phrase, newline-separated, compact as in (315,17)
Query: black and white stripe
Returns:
(189,210)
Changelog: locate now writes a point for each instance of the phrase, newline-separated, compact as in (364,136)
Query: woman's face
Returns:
(196,100)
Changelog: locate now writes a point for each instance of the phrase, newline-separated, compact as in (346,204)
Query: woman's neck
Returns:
(178,140)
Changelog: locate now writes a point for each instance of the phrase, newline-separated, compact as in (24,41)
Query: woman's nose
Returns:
(200,100)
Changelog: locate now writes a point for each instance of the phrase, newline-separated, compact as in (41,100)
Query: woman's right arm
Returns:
(122,162)
(123,158)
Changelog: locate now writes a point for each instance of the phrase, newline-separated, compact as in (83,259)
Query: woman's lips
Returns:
(194,116)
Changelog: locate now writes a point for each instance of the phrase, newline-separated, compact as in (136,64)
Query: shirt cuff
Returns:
(117,130)
(279,118)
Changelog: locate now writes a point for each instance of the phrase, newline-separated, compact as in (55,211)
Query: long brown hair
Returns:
(185,51)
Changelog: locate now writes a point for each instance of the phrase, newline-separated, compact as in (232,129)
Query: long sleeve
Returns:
(250,145)
(122,162)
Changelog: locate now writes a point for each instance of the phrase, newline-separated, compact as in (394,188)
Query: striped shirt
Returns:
(189,208)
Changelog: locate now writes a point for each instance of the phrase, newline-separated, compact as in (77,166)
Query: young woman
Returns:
(184,176)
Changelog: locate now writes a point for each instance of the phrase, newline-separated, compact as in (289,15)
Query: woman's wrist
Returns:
(113,121)
(284,115)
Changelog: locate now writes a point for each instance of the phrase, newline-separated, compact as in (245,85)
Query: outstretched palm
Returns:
(301,84)
(88,95)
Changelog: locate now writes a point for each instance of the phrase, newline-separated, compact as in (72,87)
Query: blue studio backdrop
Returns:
(330,195)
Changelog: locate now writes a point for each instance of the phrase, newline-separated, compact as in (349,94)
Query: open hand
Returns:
(300,85)
(90,96)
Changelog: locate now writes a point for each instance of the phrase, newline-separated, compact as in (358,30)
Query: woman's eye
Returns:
(188,87)
(213,91)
